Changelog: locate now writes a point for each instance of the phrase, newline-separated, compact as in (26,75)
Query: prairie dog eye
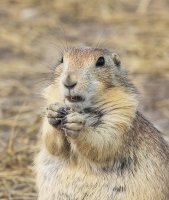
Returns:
(100,62)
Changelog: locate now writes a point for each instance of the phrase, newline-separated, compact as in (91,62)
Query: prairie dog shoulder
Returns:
(95,142)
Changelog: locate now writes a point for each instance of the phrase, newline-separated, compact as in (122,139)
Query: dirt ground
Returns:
(32,34)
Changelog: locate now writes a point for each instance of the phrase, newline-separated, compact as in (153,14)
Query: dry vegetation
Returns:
(137,30)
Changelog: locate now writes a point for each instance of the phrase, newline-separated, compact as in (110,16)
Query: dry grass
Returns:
(136,30)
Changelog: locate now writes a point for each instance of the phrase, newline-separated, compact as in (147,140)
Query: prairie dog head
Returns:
(87,76)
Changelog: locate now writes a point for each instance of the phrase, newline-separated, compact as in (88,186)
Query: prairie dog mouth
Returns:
(75,99)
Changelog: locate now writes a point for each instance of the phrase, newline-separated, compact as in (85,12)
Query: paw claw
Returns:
(64,121)
(63,110)
(54,121)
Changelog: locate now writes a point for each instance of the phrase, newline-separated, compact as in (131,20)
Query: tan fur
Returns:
(106,149)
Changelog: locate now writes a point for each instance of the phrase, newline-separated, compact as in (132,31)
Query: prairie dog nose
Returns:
(69,81)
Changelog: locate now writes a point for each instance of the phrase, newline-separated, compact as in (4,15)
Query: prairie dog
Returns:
(96,145)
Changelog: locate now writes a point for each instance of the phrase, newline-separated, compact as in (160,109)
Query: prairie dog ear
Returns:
(116,59)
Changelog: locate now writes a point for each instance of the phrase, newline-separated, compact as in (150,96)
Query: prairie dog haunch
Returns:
(96,145)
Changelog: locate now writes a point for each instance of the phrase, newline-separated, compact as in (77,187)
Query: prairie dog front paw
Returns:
(73,124)
(55,113)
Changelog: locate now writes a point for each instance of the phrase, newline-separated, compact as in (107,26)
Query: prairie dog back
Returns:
(95,143)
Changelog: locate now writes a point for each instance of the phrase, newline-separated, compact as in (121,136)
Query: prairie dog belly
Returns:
(59,181)
(76,183)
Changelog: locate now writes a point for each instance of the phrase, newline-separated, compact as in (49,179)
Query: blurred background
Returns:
(32,34)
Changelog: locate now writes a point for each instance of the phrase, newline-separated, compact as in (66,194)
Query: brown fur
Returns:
(104,149)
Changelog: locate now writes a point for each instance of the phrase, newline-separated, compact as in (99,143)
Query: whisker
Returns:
(101,45)
(65,36)
(55,46)
(42,81)
(58,40)
(40,73)
(51,67)
(49,31)
(100,38)
(35,58)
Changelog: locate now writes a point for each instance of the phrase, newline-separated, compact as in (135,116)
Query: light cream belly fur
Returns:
(77,184)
